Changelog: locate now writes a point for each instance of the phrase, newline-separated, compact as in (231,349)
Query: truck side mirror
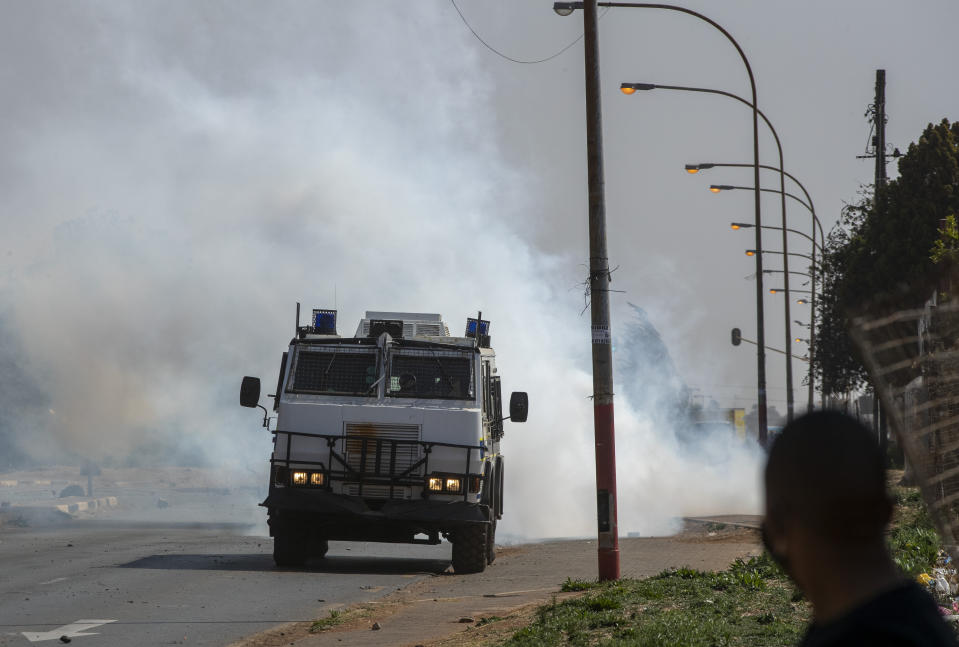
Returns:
(250,392)
(518,406)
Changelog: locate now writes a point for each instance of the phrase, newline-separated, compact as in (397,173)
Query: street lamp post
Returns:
(811,376)
(806,274)
(599,276)
(630,88)
(717,188)
(747,225)
(564,8)
(695,168)
(752,252)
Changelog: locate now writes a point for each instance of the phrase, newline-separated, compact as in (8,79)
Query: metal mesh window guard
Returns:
(334,371)
(912,356)
(430,374)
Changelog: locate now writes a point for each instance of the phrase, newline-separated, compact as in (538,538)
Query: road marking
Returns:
(71,630)
(58,579)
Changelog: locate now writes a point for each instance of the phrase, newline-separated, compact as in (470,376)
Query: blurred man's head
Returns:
(825,492)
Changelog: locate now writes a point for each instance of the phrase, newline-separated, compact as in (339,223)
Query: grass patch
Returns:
(751,603)
(913,540)
(323,624)
(576,585)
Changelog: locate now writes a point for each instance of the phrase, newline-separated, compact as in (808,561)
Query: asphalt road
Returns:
(167,582)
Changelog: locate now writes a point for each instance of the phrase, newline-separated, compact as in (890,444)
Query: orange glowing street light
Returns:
(630,88)
(693,169)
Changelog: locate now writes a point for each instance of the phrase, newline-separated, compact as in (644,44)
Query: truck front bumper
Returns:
(422,511)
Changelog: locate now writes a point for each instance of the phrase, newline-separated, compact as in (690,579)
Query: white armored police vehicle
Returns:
(392,435)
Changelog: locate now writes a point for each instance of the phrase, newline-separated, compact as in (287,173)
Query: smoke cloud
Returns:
(179,176)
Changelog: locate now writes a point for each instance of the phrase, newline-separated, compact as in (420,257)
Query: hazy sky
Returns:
(814,64)
(175,176)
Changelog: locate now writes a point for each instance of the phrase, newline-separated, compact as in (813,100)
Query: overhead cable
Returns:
(510,58)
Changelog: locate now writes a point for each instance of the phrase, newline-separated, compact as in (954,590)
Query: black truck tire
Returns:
(491,542)
(290,548)
(470,549)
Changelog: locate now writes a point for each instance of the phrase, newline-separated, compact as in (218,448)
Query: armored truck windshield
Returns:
(428,373)
(334,371)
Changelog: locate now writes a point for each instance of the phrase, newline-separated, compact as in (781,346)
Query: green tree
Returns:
(885,244)
(945,251)
(835,362)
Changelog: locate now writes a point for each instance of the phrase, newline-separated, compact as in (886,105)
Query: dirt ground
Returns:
(483,609)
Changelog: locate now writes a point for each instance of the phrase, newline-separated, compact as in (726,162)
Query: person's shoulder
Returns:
(904,616)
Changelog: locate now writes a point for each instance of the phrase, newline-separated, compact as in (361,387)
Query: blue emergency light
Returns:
(471,327)
(324,322)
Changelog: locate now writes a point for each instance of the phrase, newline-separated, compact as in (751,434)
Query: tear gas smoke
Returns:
(185,174)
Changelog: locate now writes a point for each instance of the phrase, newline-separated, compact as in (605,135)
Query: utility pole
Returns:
(599,277)
(879,123)
(879,143)
(877,113)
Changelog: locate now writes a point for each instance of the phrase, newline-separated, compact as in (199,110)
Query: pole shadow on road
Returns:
(259,562)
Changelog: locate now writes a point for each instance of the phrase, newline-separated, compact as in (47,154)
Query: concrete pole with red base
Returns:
(599,278)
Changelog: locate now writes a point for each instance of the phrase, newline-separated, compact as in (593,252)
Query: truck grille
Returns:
(376,491)
(372,448)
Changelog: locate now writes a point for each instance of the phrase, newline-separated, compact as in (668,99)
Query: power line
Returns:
(509,58)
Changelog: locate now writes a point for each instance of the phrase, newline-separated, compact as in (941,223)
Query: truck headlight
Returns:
(299,478)
(316,478)
(445,483)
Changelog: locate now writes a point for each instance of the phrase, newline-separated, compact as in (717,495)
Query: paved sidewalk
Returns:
(432,610)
